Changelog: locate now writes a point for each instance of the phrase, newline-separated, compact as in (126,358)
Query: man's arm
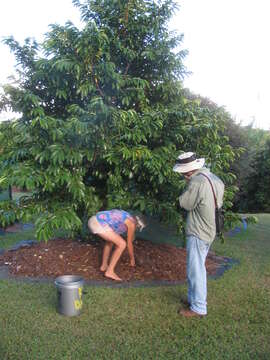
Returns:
(191,197)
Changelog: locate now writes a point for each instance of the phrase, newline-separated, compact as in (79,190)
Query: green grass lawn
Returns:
(142,323)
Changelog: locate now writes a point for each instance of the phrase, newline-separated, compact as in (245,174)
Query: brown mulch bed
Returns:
(64,256)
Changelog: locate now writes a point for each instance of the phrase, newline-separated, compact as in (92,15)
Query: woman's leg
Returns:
(120,246)
(106,254)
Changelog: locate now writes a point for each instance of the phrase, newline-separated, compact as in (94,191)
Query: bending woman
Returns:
(110,225)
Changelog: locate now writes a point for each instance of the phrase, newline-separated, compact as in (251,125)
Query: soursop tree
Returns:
(103,117)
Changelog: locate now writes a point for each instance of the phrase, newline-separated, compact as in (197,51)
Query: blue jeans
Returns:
(196,274)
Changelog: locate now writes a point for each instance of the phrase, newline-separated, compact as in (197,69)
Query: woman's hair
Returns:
(140,221)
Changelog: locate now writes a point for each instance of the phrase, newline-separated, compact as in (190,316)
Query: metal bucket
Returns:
(69,294)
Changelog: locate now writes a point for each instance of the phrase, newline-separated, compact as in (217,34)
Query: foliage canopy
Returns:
(103,117)
(257,183)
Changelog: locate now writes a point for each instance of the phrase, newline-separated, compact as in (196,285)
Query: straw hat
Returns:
(187,162)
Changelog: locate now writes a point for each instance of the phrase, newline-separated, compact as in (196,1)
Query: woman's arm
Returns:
(131,227)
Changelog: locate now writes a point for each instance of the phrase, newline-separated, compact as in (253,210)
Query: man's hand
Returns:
(132,262)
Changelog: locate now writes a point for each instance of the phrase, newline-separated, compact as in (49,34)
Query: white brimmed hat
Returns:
(187,162)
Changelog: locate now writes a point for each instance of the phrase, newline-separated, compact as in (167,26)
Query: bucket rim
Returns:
(68,280)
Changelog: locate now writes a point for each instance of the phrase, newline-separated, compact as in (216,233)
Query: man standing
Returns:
(199,201)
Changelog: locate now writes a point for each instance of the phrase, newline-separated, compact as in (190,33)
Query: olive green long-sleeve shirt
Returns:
(199,202)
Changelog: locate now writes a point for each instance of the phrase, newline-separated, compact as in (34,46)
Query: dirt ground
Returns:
(63,256)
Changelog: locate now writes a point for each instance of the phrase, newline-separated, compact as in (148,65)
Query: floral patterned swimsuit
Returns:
(115,219)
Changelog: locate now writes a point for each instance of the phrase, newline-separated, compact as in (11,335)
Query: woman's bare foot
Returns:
(112,276)
(103,268)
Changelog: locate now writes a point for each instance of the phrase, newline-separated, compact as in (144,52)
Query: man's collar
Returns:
(196,172)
